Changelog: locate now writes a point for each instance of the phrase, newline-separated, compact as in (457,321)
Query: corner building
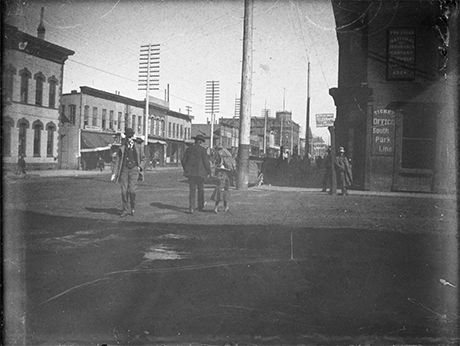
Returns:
(397,94)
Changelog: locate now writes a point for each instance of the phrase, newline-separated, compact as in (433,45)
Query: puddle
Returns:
(163,252)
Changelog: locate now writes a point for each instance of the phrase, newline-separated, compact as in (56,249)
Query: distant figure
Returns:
(221,191)
(327,177)
(130,165)
(196,168)
(344,174)
(101,164)
(21,165)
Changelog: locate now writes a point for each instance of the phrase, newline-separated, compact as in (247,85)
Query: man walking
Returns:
(129,169)
(196,168)
(344,173)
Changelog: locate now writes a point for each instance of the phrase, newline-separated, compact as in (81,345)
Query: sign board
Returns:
(383,132)
(324,120)
(401,54)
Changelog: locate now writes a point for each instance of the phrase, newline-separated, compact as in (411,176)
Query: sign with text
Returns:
(383,132)
(401,54)
(324,120)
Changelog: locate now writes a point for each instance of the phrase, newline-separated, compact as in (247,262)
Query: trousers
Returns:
(196,183)
(128,181)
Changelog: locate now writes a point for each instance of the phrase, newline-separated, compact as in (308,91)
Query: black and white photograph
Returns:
(230,172)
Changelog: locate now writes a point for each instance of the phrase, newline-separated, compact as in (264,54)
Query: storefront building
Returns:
(397,94)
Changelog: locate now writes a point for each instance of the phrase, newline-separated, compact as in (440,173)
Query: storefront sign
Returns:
(324,120)
(401,54)
(383,132)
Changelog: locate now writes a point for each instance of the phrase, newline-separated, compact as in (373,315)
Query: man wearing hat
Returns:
(343,168)
(129,169)
(196,168)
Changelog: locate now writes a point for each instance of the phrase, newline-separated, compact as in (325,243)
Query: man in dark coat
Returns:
(344,173)
(129,169)
(196,168)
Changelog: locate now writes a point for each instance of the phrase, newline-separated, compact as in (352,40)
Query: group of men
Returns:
(129,166)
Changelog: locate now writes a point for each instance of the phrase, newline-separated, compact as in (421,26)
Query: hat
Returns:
(199,138)
(129,132)
(222,168)
(341,150)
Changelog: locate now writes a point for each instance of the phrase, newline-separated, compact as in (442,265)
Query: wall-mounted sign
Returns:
(324,120)
(383,132)
(401,54)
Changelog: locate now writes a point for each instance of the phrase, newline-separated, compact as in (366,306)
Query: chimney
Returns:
(41,27)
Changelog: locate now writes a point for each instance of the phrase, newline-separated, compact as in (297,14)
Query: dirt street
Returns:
(284,266)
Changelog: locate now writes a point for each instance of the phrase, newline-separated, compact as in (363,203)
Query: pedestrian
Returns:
(327,177)
(129,163)
(196,168)
(221,191)
(344,173)
(101,164)
(21,165)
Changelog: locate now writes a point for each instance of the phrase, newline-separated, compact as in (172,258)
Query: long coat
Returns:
(343,168)
(196,162)
(120,157)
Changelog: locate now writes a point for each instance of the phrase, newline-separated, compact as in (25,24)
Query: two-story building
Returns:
(32,86)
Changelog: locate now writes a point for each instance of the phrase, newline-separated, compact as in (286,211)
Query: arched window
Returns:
(157,126)
(50,128)
(38,127)
(162,128)
(8,82)
(25,76)
(52,94)
(39,81)
(23,125)
(7,125)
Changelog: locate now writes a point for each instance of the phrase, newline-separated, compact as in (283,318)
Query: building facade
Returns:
(92,122)
(32,86)
(397,94)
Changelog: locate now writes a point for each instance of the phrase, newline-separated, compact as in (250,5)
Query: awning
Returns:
(157,141)
(92,141)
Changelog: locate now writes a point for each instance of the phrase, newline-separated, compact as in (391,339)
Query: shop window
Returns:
(111,120)
(418,142)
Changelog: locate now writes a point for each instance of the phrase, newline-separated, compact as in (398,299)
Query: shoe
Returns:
(124,214)
(132,212)
(216,211)
(191,211)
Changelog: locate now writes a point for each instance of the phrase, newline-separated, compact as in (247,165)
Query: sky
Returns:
(199,41)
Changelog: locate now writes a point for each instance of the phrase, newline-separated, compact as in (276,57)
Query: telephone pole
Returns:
(307,130)
(246,89)
(212,103)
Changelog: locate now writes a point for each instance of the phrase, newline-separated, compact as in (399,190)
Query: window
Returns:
(126,120)
(8,82)
(39,80)
(157,126)
(104,118)
(25,76)
(73,114)
(169,129)
(181,131)
(418,142)
(86,116)
(139,124)
(111,120)
(50,140)
(52,95)
(22,138)
(162,128)
(119,120)
(37,138)
(7,126)
(133,123)
(94,123)
(174,130)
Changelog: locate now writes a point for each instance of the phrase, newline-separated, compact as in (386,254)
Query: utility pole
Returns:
(307,130)
(149,78)
(246,90)
(188,109)
(212,103)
